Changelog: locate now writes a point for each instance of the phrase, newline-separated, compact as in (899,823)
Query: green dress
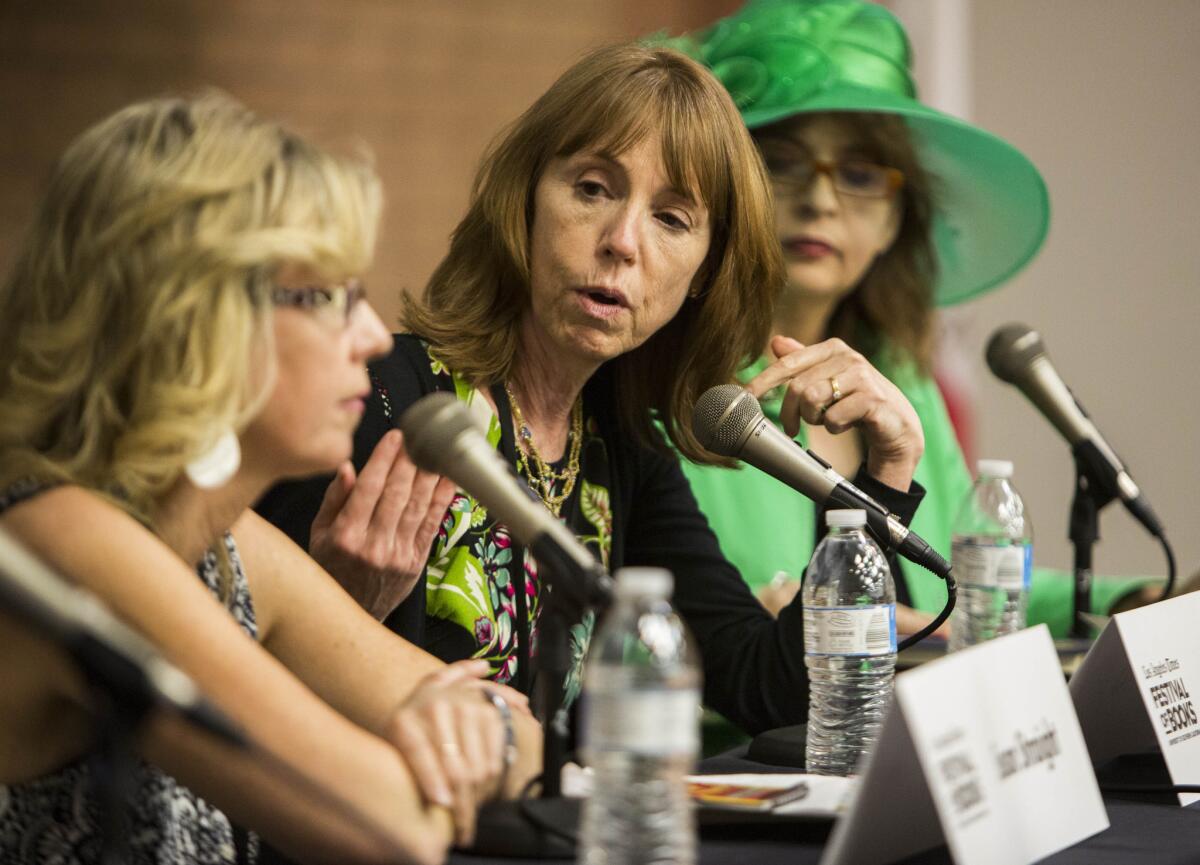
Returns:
(765,528)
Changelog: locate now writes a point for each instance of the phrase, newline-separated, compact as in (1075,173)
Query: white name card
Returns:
(981,749)
(1139,688)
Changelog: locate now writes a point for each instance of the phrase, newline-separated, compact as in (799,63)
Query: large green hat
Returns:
(778,58)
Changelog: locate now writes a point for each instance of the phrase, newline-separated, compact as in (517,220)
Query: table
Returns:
(1140,832)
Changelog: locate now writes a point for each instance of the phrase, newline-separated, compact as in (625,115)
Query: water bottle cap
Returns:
(855,519)
(995,468)
(644,582)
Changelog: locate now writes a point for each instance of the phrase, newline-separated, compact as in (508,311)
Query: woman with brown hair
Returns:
(617,260)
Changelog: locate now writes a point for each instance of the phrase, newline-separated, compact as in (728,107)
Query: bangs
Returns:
(313,209)
(626,110)
(332,207)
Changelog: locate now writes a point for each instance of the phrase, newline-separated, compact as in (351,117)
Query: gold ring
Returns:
(837,391)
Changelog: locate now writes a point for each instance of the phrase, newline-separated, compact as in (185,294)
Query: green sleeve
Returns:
(1052,597)
(764,527)
(943,472)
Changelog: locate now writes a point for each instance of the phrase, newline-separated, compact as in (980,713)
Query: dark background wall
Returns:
(424,84)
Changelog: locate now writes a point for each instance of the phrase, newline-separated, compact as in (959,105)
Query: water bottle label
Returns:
(850,630)
(658,723)
(1008,566)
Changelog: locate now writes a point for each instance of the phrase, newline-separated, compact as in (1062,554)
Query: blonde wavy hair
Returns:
(610,100)
(135,324)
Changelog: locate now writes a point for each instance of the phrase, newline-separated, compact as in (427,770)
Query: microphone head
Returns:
(430,425)
(723,417)
(1011,349)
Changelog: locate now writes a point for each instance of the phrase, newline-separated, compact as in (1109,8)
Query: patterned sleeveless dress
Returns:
(55,819)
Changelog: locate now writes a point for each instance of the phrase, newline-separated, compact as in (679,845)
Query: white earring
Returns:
(217,465)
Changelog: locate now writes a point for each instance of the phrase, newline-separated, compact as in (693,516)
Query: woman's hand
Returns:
(373,532)
(454,740)
(863,398)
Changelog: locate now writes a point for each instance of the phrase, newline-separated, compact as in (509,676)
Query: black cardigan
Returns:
(754,672)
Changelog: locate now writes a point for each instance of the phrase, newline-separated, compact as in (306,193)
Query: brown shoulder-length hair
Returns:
(473,305)
(891,311)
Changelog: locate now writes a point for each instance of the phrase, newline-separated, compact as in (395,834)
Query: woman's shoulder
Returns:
(408,372)
(32,507)
(410,354)
(96,544)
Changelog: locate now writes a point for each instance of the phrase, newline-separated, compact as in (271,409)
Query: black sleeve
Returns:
(754,671)
(398,380)
(900,504)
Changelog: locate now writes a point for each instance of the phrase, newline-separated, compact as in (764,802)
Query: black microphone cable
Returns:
(728,420)
(1169,586)
(951,600)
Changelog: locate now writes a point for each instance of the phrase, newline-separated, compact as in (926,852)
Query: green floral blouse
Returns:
(481,581)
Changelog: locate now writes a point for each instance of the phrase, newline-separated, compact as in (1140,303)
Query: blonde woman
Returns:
(183,327)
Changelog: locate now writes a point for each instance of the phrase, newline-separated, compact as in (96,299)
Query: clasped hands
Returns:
(454,741)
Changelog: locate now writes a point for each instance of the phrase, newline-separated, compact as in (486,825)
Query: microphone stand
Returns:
(1093,490)
(546,827)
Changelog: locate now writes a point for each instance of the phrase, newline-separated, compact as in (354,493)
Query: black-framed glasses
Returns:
(794,169)
(335,302)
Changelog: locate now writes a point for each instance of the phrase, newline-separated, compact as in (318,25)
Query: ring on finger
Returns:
(837,394)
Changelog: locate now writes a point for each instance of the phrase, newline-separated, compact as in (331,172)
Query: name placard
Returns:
(1139,688)
(981,749)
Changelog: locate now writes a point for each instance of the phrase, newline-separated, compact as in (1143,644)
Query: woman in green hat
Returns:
(885,209)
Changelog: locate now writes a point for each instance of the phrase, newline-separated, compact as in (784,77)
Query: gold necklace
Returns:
(537,470)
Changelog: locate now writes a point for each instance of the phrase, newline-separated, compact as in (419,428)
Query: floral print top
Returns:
(483,584)
(57,817)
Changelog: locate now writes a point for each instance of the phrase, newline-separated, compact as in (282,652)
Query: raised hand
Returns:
(374,530)
(831,385)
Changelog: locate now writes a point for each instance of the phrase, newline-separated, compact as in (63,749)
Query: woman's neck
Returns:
(804,317)
(546,386)
(190,520)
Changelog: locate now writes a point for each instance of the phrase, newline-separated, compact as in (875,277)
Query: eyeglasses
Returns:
(795,169)
(334,302)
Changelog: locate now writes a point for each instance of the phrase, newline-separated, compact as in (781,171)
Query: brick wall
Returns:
(425,84)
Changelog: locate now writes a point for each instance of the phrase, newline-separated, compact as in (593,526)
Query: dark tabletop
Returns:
(1141,831)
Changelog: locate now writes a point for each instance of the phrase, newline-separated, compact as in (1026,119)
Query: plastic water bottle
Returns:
(992,555)
(640,724)
(849,643)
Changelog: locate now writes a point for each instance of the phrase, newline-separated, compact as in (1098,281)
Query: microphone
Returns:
(1015,354)
(441,437)
(727,420)
(108,651)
